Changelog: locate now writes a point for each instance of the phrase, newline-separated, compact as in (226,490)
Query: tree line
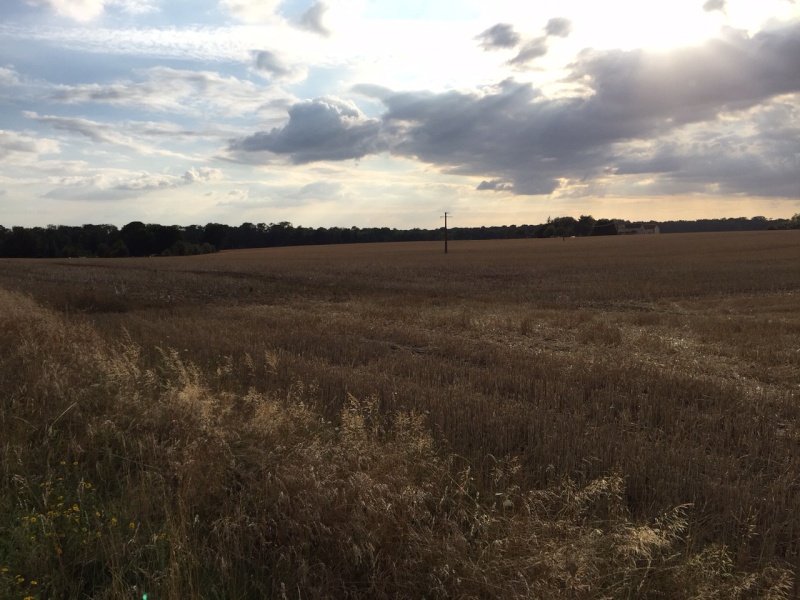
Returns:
(140,239)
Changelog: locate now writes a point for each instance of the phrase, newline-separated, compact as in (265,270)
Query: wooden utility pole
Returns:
(445,231)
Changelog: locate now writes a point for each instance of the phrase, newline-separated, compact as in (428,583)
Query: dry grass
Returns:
(211,401)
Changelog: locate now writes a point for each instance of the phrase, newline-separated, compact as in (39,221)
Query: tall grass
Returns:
(252,423)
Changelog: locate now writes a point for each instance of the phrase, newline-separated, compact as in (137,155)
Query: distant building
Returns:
(624,229)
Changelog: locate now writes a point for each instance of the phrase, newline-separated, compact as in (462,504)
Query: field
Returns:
(583,418)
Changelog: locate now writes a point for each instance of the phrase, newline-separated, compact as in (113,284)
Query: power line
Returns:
(446,214)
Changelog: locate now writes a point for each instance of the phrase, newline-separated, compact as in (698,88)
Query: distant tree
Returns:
(136,237)
(564,226)
(119,249)
(216,234)
(247,235)
(604,227)
(163,237)
(585,225)
(194,234)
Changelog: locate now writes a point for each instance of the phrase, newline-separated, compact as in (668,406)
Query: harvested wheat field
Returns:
(583,418)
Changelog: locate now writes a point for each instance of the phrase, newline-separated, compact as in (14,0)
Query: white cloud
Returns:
(202,175)
(143,137)
(275,66)
(86,10)
(9,76)
(319,190)
(19,148)
(712,5)
(79,10)
(311,20)
(252,11)
(118,184)
(166,89)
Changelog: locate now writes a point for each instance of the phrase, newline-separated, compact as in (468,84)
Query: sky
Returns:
(382,113)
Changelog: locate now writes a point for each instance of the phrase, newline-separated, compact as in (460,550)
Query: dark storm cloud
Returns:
(645,115)
(321,129)
(311,20)
(560,27)
(499,36)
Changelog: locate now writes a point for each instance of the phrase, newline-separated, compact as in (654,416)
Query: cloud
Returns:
(274,66)
(79,10)
(311,20)
(642,115)
(321,129)
(97,132)
(147,182)
(251,11)
(123,134)
(166,89)
(499,37)
(535,48)
(86,10)
(758,153)
(538,47)
(712,5)
(115,184)
(9,76)
(19,148)
(692,84)
(195,42)
(561,27)
(264,60)
(237,198)
(319,190)
(202,175)
(495,185)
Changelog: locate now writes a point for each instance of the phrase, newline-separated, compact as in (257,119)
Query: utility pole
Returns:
(445,231)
